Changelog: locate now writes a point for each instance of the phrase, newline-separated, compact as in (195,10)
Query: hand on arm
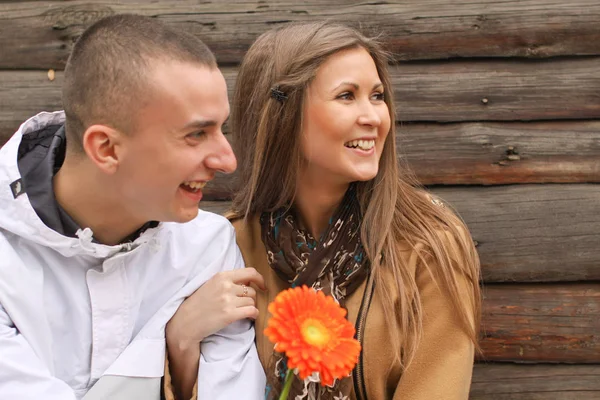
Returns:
(221,301)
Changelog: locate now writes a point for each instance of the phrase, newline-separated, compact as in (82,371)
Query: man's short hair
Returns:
(107,72)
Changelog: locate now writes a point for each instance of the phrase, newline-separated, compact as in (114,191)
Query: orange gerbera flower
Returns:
(312,331)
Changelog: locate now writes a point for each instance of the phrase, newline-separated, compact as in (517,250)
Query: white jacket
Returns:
(73,311)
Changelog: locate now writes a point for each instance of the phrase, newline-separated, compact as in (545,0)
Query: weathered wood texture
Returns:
(526,233)
(567,89)
(508,90)
(499,153)
(532,232)
(541,323)
(451,91)
(24,94)
(39,34)
(535,382)
(488,153)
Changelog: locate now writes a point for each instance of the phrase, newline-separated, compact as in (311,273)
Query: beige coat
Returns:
(443,363)
(442,367)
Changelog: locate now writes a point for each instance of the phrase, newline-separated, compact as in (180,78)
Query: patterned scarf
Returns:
(337,264)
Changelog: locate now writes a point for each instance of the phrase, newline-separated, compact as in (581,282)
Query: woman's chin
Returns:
(364,176)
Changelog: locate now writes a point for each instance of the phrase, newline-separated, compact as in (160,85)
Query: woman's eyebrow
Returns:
(356,85)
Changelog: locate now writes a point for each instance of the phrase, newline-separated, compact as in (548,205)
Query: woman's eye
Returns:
(346,96)
(379,96)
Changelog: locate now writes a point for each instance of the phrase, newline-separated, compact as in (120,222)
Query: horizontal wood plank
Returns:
(486,153)
(506,381)
(532,232)
(39,34)
(453,91)
(507,90)
(490,153)
(24,94)
(526,233)
(541,322)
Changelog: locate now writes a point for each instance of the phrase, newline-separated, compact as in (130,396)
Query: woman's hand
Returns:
(223,299)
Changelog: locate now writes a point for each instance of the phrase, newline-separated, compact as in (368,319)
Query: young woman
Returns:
(324,203)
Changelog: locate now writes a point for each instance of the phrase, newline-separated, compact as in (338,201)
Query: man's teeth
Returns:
(194,185)
(361,144)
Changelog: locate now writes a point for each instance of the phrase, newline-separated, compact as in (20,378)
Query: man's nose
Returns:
(221,157)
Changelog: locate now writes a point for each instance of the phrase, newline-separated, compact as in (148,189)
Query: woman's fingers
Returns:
(246,312)
(247,276)
(244,302)
(245,291)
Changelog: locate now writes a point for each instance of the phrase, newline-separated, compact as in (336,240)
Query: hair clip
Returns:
(278,94)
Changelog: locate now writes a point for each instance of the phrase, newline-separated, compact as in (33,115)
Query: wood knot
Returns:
(512,154)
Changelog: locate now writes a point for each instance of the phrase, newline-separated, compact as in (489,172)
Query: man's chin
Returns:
(185,215)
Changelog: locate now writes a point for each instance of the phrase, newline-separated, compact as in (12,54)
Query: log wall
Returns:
(498,112)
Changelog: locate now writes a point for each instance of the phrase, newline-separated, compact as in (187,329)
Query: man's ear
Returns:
(101,143)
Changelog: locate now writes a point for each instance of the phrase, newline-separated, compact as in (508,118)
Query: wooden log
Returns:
(505,381)
(39,34)
(532,232)
(492,153)
(507,90)
(526,233)
(541,323)
(451,91)
(486,153)
(492,90)
(24,94)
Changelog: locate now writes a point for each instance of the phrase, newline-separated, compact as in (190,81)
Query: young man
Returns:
(100,234)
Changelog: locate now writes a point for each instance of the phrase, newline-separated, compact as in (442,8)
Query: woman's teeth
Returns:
(194,186)
(361,144)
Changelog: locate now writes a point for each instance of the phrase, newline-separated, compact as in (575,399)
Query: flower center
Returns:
(315,333)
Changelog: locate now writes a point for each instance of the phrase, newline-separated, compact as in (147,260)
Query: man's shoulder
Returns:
(206,228)
(10,244)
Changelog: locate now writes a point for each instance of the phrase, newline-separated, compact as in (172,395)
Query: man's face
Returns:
(177,144)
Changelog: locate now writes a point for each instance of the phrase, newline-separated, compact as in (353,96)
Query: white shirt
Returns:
(72,311)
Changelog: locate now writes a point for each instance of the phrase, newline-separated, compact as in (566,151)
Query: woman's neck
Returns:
(316,202)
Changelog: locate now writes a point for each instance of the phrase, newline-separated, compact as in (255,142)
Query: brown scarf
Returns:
(337,264)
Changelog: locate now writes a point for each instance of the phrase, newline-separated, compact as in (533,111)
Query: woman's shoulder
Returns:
(441,230)
(247,230)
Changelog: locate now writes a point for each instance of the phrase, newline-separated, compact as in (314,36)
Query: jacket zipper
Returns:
(357,373)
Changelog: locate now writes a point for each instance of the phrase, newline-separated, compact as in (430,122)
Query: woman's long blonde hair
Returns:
(266,139)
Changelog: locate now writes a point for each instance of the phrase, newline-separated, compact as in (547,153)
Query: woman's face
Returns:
(345,121)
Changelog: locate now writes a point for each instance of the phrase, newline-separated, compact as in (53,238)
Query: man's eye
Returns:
(196,135)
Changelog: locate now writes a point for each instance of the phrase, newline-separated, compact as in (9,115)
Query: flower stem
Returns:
(289,378)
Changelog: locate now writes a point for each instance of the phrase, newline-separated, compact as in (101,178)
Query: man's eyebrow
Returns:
(199,124)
